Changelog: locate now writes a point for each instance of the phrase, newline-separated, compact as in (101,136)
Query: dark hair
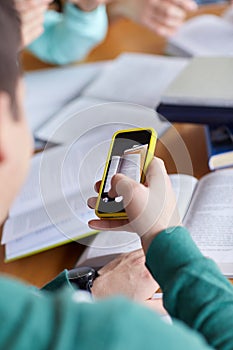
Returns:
(9,45)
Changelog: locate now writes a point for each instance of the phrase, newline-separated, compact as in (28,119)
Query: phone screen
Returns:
(128,157)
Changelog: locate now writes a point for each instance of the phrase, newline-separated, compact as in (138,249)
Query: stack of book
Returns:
(220,146)
(202,93)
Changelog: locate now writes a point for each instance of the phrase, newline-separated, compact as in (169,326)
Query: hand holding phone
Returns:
(130,153)
(151,208)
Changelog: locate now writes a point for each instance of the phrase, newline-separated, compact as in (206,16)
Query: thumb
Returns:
(124,186)
(156,174)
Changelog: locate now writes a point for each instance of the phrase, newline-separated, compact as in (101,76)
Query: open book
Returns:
(206,207)
(205,35)
(51,209)
(80,91)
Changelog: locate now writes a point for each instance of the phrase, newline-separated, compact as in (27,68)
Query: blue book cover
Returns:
(219,141)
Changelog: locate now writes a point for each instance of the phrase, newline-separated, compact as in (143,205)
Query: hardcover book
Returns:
(220,146)
(201,93)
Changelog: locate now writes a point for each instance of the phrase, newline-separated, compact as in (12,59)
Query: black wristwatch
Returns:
(83,277)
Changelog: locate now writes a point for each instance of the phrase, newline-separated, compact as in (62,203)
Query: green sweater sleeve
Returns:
(69,36)
(61,320)
(194,289)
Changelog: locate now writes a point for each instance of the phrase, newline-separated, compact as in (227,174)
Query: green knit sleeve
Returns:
(194,289)
(66,319)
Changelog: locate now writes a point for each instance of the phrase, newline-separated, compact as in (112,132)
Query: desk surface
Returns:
(40,268)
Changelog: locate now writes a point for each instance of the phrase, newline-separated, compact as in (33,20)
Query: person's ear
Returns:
(5,115)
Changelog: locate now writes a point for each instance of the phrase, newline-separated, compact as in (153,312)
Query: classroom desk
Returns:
(40,268)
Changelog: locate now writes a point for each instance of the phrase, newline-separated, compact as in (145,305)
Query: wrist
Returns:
(147,239)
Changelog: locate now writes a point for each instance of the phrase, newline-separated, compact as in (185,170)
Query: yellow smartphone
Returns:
(130,153)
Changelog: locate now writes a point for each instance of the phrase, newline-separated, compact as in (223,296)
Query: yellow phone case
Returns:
(149,157)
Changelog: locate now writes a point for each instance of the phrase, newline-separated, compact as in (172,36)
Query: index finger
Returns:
(91,202)
(97,186)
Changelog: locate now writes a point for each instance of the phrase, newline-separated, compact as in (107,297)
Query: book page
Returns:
(210,218)
(136,78)
(91,116)
(47,238)
(105,246)
(52,192)
(51,129)
(48,90)
(205,35)
(72,208)
(47,170)
(184,187)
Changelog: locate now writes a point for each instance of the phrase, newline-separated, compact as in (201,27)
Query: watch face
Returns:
(82,273)
(83,277)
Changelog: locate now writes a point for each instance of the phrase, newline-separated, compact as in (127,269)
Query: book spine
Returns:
(195,114)
(219,147)
(208,141)
(209,146)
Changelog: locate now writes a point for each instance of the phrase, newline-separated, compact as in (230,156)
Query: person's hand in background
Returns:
(31,13)
(126,275)
(163,17)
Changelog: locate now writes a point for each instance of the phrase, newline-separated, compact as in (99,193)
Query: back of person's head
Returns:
(9,46)
(15,139)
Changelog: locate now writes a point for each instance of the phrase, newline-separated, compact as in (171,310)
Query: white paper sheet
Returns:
(205,35)
(136,78)
(210,218)
(98,118)
(48,90)
(131,79)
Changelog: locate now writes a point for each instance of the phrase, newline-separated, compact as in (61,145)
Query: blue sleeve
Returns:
(69,36)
